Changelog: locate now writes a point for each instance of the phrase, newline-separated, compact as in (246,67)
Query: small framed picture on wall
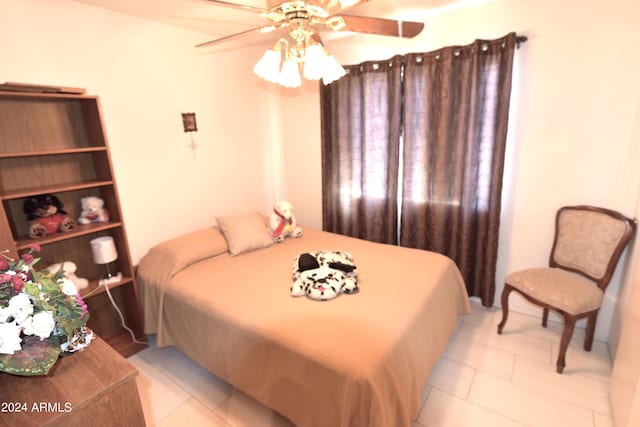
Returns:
(189,122)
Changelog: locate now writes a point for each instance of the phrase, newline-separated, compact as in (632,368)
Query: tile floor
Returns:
(482,379)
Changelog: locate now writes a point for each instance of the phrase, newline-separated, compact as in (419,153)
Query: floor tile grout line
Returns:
(475,371)
(188,392)
(215,410)
(168,377)
(424,402)
(482,407)
(172,411)
(495,347)
(578,374)
(530,388)
(471,367)
(513,367)
(163,372)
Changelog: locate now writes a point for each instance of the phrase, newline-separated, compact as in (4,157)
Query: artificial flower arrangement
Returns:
(41,316)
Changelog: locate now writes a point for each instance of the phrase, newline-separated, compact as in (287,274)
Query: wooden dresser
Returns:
(96,387)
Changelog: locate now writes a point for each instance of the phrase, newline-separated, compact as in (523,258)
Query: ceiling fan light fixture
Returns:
(302,52)
(268,67)
(332,70)
(290,75)
(314,62)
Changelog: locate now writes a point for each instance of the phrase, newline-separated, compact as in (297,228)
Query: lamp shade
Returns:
(290,75)
(314,62)
(332,70)
(268,67)
(104,250)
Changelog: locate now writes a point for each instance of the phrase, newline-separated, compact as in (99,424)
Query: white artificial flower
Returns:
(5,313)
(20,307)
(40,324)
(9,338)
(68,287)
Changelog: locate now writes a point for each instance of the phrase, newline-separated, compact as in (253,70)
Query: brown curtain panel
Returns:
(456,104)
(360,151)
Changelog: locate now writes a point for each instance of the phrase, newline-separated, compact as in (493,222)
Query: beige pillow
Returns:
(244,233)
(166,259)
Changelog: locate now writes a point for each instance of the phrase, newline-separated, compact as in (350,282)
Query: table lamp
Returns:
(104,252)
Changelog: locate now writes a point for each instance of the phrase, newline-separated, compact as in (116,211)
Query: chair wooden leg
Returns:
(545,317)
(591,329)
(505,306)
(567,333)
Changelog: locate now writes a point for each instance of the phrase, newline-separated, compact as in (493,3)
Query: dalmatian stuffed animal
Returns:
(324,275)
(282,222)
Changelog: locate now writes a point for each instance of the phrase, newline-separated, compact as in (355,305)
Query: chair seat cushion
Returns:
(558,288)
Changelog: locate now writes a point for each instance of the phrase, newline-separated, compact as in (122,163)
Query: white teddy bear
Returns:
(69,268)
(93,210)
(282,222)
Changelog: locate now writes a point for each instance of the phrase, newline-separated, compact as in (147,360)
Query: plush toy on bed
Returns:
(282,222)
(93,210)
(324,275)
(46,216)
(69,269)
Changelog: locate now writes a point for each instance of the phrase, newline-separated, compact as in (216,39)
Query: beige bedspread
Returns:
(355,361)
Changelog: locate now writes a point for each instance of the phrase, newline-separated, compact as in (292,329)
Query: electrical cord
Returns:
(133,337)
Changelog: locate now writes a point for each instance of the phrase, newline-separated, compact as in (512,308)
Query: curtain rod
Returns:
(520,39)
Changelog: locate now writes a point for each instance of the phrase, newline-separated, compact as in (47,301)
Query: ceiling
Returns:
(219,21)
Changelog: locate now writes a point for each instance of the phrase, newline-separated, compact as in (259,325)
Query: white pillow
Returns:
(244,233)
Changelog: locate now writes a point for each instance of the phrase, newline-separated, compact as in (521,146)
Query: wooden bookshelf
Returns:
(55,143)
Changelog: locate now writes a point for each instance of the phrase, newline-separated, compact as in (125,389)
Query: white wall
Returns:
(577,85)
(146,74)
(630,193)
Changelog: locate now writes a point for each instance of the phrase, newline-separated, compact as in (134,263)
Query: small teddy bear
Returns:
(46,216)
(69,271)
(93,210)
(282,222)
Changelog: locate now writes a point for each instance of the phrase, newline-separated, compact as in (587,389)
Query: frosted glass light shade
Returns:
(290,75)
(268,67)
(314,62)
(104,250)
(332,70)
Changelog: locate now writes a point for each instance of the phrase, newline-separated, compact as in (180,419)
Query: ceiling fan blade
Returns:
(380,26)
(261,30)
(238,6)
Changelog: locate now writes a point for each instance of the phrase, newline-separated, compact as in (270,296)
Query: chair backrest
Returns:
(589,240)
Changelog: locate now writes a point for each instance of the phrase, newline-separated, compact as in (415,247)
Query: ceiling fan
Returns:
(302,18)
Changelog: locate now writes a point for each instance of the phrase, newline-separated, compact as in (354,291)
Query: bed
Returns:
(357,360)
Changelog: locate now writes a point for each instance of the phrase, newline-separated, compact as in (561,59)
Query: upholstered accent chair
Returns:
(587,246)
